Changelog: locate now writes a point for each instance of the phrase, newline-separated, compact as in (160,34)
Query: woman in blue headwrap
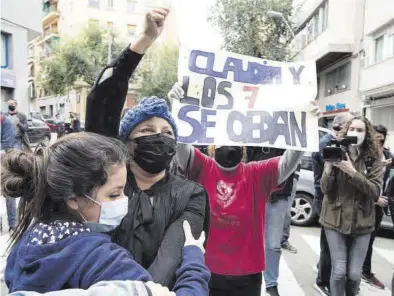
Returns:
(159,201)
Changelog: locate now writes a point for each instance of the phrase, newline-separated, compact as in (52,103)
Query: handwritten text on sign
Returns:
(232,99)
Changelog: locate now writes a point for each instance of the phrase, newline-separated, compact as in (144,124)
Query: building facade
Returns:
(329,32)
(65,19)
(18,27)
(377,73)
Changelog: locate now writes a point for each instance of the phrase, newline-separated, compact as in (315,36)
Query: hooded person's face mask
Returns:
(228,156)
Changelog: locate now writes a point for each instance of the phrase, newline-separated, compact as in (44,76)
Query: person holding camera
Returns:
(351,187)
(322,283)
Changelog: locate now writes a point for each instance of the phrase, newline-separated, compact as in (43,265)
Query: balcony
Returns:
(378,79)
(51,13)
(326,34)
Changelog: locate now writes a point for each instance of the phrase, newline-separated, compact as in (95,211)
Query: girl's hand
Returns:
(346,166)
(189,238)
(176,92)
(159,290)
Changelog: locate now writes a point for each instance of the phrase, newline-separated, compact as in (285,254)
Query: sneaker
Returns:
(272,291)
(372,280)
(323,290)
(286,246)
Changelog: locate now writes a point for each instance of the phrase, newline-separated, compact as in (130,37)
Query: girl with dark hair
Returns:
(71,194)
(351,187)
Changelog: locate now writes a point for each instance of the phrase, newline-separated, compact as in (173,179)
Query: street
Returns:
(297,273)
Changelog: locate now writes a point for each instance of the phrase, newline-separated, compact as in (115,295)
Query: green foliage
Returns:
(247,29)
(158,71)
(78,59)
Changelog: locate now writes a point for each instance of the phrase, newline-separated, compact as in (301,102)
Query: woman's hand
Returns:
(153,27)
(154,23)
(159,290)
(346,166)
(189,238)
(176,92)
(314,108)
(387,162)
(383,201)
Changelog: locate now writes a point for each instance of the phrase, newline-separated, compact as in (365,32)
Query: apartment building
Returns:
(377,73)
(329,32)
(65,19)
(18,27)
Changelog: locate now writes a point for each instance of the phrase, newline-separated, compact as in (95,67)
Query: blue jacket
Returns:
(7,133)
(64,255)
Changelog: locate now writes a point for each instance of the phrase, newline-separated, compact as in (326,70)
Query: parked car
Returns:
(52,124)
(302,211)
(38,131)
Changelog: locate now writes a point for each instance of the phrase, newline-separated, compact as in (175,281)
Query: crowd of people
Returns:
(124,208)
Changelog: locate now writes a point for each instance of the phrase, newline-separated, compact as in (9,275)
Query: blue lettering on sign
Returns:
(270,127)
(255,74)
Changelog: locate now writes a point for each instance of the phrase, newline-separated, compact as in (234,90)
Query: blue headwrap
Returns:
(146,109)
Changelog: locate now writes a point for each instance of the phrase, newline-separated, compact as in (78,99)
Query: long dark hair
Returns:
(75,165)
(370,147)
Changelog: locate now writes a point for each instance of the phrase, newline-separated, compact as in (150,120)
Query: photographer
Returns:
(351,187)
(324,266)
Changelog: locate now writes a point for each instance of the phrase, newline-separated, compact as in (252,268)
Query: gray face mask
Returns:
(111,215)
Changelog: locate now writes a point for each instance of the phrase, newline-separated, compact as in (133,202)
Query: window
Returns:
(94,3)
(379,48)
(338,80)
(4,50)
(93,23)
(131,6)
(391,44)
(131,29)
(110,3)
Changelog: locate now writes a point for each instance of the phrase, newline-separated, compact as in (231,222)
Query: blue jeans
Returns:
(274,223)
(347,257)
(286,227)
(11,211)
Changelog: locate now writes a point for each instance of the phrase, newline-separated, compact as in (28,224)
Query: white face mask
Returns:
(111,214)
(360,137)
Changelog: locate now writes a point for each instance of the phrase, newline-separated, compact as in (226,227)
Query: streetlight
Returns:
(276,14)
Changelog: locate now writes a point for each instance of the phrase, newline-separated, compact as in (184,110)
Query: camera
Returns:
(337,148)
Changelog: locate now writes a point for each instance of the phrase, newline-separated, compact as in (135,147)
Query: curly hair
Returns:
(370,147)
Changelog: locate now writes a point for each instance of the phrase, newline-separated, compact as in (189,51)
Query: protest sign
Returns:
(232,99)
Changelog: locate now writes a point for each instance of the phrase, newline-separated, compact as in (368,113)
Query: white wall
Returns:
(377,14)
(26,14)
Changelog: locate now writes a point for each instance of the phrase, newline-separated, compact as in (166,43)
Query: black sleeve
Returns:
(23,126)
(107,97)
(169,256)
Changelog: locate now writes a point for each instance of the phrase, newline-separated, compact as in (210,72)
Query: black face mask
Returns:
(11,108)
(228,156)
(154,153)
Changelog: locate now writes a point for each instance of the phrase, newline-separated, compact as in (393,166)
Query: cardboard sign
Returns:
(232,99)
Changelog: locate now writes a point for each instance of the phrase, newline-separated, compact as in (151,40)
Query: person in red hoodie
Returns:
(238,194)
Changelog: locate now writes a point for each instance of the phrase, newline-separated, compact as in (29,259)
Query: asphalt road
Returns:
(298,273)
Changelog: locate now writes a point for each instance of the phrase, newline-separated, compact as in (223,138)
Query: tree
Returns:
(248,29)
(76,60)
(158,71)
